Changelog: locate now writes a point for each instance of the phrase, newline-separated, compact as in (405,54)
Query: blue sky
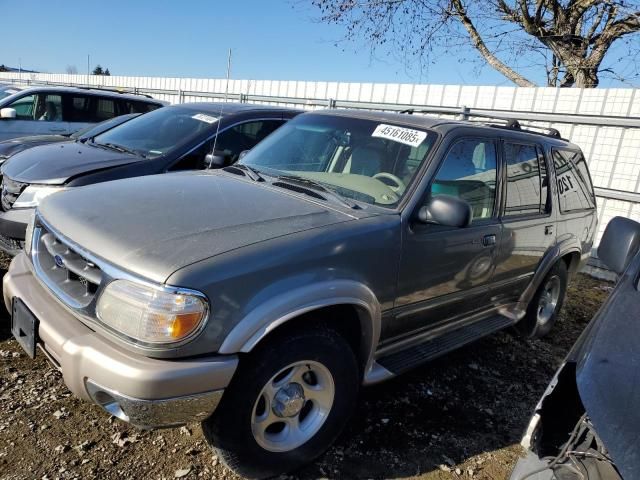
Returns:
(270,39)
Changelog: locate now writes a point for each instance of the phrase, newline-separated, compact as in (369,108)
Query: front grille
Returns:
(11,190)
(74,279)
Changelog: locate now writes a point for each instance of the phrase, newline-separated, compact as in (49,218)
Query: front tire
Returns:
(545,305)
(287,403)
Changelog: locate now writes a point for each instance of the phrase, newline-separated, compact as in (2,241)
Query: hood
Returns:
(155,225)
(55,164)
(15,145)
(608,372)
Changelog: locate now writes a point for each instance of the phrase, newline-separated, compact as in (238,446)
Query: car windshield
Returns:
(363,160)
(159,132)
(93,130)
(7,90)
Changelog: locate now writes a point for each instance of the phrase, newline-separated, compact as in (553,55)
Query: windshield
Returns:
(93,130)
(7,90)
(364,160)
(159,132)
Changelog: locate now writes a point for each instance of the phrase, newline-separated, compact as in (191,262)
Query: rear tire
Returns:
(545,305)
(287,403)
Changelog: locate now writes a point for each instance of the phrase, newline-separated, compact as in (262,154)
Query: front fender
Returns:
(267,316)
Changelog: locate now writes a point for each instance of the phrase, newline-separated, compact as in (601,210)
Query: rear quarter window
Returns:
(575,190)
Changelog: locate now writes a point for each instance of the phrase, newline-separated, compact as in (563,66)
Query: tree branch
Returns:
(478,44)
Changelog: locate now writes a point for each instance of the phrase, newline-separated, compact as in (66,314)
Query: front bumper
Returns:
(13,226)
(146,392)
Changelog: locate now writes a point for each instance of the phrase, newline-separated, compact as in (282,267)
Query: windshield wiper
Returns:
(251,172)
(120,148)
(319,186)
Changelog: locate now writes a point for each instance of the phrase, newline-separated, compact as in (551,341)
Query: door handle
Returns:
(488,240)
(548,230)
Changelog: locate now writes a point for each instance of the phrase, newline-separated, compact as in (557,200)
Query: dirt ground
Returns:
(459,417)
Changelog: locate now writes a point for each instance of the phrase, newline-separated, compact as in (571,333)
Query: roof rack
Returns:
(114,90)
(509,123)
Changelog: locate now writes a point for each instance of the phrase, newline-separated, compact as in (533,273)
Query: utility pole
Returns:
(20,68)
(88,68)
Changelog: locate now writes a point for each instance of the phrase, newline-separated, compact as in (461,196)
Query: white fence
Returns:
(605,123)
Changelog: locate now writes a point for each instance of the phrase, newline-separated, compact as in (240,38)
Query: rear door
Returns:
(529,228)
(445,272)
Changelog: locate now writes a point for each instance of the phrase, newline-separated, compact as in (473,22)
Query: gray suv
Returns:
(342,250)
(47,110)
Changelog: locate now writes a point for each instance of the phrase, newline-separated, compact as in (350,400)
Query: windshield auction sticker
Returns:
(204,118)
(407,136)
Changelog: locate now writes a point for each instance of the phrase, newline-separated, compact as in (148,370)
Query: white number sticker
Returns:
(205,118)
(407,136)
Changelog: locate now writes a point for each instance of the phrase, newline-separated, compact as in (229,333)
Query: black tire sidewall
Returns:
(228,430)
(529,326)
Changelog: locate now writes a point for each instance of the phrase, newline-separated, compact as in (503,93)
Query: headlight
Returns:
(33,195)
(150,315)
(28,236)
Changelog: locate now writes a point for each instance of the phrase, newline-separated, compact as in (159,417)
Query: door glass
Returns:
(24,107)
(524,182)
(469,172)
(106,109)
(245,136)
(78,109)
(49,108)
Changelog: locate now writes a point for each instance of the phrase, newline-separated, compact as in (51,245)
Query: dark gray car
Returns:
(342,250)
(170,139)
(9,148)
(586,426)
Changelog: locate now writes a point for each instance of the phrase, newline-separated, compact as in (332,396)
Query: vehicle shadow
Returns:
(449,412)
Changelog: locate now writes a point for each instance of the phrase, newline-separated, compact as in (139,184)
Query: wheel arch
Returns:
(567,251)
(342,300)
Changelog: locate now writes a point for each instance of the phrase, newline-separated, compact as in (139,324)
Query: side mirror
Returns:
(215,160)
(8,113)
(619,244)
(242,154)
(446,210)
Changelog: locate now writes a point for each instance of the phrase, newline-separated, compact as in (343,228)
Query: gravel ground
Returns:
(459,417)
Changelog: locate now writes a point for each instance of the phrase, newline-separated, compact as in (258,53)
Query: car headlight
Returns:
(28,236)
(151,315)
(33,195)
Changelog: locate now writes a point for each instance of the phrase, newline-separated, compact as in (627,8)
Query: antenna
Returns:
(226,92)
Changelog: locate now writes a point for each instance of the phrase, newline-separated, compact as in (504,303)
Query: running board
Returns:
(413,356)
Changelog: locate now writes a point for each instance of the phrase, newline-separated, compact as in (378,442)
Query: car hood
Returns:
(608,373)
(56,164)
(155,225)
(15,145)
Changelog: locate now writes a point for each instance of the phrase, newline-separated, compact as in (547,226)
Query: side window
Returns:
(575,190)
(49,108)
(105,109)
(469,172)
(244,136)
(25,107)
(526,175)
(78,108)
(129,106)
(195,159)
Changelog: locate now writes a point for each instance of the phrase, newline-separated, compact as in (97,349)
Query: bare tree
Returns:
(71,70)
(569,39)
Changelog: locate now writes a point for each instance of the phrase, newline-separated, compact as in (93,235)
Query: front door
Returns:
(36,114)
(445,272)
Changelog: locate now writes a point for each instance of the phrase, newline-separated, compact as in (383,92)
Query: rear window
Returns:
(575,190)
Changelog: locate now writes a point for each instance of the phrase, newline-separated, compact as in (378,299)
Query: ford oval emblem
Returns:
(59,261)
